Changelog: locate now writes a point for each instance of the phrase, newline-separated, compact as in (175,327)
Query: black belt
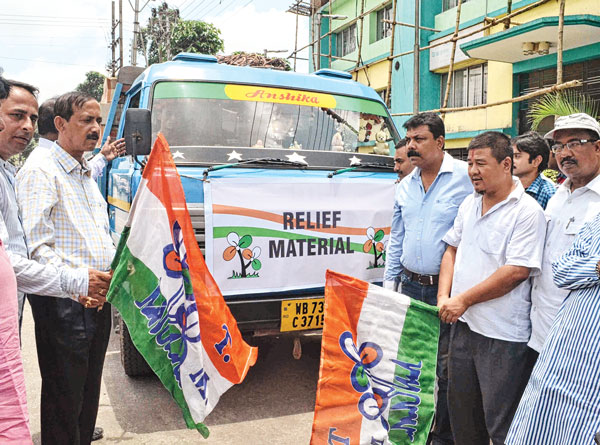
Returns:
(423,280)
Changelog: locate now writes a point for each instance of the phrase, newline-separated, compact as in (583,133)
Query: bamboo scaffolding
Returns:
(508,11)
(559,49)
(452,55)
(362,29)
(388,88)
(330,23)
(409,25)
(488,23)
(345,24)
(494,22)
(552,89)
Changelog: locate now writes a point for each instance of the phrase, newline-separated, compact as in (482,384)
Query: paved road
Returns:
(274,405)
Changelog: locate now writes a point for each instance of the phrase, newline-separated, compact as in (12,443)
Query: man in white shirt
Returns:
(577,149)
(493,248)
(48,134)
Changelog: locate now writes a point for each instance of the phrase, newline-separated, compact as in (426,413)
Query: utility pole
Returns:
(120,34)
(136,30)
(116,63)
(113,43)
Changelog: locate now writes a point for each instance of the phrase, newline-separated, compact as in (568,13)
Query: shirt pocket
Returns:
(491,242)
(445,209)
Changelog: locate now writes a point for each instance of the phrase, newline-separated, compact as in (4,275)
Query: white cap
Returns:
(575,121)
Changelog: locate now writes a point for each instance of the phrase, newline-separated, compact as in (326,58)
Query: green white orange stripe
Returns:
(172,306)
(378,362)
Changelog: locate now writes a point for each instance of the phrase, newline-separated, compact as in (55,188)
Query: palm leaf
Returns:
(561,104)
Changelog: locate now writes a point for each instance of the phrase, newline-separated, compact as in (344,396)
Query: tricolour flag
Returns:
(378,361)
(173,308)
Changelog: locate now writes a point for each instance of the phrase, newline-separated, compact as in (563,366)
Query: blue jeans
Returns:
(441,432)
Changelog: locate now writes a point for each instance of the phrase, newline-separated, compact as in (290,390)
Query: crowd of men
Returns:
(55,235)
(512,262)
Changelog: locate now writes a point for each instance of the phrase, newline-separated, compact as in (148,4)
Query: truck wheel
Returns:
(133,363)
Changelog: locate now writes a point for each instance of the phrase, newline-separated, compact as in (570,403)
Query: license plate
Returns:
(298,315)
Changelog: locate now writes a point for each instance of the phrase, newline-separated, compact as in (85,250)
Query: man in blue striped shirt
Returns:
(561,404)
(425,206)
(531,153)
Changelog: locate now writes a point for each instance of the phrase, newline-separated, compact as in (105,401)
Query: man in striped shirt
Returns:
(66,222)
(575,202)
(19,111)
(561,404)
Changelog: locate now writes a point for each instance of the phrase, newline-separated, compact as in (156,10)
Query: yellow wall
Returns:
(499,88)
(550,9)
(377,75)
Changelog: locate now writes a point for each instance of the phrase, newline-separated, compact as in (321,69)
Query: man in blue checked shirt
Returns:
(425,206)
(19,112)
(66,223)
(531,153)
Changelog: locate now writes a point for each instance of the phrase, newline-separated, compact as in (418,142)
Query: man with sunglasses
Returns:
(576,146)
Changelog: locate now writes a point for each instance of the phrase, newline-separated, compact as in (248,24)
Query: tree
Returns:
(166,35)
(93,85)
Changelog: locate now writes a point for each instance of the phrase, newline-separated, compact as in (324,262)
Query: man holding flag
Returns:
(66,223)
(493,248)
(425,206)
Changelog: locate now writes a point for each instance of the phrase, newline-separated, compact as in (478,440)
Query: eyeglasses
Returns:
(571,145)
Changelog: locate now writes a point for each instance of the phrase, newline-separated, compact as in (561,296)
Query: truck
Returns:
(281,178)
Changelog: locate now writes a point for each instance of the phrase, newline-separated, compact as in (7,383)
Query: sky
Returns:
(52,44)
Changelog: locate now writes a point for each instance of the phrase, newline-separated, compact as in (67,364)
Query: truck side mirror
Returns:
(137,131)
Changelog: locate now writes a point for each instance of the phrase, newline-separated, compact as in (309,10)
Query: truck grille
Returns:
(197,215)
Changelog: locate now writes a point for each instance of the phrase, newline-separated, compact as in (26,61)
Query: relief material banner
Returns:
(277,233)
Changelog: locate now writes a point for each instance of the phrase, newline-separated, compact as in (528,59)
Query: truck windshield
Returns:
(228,115)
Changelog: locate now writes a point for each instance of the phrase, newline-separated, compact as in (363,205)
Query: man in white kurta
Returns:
(576,202)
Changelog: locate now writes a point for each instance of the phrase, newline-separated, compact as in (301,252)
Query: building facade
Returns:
(492,64)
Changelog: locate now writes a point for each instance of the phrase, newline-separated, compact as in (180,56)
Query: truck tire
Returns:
(133,363)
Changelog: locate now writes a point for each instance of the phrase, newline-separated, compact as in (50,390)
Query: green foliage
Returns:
(561,104)
(166,35)
(195,36)
(93,85)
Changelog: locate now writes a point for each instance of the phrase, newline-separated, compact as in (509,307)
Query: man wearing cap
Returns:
(577,201)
